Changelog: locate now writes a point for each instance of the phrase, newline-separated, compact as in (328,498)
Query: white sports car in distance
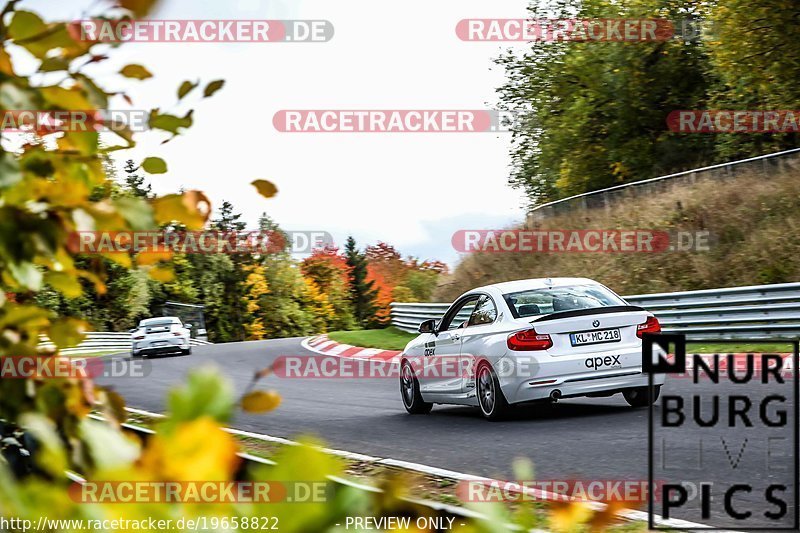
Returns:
(166,334)
(535,339)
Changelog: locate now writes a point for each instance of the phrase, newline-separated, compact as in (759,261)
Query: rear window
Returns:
(548,300)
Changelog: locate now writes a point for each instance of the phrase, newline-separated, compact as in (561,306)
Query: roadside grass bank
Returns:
(389,338)
(753,239)
(400,481)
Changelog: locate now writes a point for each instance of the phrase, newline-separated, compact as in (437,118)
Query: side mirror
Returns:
(187,326)
(428,326)
(132,330)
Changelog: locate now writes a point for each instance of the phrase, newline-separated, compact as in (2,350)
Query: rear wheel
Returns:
(490,398)
(409,390)
(640,397)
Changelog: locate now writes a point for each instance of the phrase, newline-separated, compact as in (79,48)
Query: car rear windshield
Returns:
(548,300)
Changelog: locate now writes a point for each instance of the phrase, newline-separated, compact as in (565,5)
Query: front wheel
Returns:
(491,400)
(640,397)
(409,390)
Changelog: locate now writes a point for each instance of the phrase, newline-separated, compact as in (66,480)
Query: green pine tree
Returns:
(362,294)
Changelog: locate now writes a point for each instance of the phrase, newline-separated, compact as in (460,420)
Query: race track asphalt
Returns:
(585,438)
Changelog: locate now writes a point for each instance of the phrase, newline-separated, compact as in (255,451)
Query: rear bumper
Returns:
(150,348)
(572,378)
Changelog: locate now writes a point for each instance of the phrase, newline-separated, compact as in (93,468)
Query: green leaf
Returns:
(53,64)
(213,87)
(136,212)
(169,123)
(66,284)
(265,188)
(25,24)
(108,447)
(185,88)
(67,332)
(154,165)
(205,394)
(50,453)
(137,72)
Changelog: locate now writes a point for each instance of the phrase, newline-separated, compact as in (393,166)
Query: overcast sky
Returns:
(412,190)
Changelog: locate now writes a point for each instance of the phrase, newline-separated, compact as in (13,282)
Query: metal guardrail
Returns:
(758,311)
(102,341)
(765,164)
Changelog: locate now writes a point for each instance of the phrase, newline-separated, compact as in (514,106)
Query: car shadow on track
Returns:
(541,411)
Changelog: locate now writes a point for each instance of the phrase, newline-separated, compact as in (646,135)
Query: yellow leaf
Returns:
(137,72)
(5,63)
(151,257)
(196,450)
(69,99)
(265,188)
(162,274)
(66,332)
(66,284)
(120,258)
(261,401)
(190,208)
(567,516)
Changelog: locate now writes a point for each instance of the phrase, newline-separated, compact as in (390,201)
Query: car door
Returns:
(473,337)
(441,373)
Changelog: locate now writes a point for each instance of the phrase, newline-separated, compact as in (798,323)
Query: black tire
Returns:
(187,352)
(409,392)
(134,354)
(640,397)
(491,401)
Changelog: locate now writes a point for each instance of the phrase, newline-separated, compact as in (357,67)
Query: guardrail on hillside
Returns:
(101,341)
(764,164)
(759,311)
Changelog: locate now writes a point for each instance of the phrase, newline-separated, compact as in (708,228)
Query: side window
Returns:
(458,316)
(484,313)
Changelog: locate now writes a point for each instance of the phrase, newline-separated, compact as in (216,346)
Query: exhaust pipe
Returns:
(555,395)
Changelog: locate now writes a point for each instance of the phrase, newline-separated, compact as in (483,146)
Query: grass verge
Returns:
(389,338)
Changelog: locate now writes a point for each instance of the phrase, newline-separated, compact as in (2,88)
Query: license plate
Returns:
(594,337)
(159,343)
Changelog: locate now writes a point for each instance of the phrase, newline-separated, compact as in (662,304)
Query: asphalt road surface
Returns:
(585,438)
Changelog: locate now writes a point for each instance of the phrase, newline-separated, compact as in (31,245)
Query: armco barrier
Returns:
(759,311)
(99,341)
(766,165)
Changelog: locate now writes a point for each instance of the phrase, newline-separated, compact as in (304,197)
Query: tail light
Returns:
(138,338)
(527,340)
(176,333)
(651,326)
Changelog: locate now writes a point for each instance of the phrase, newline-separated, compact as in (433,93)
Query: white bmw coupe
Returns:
(535,339)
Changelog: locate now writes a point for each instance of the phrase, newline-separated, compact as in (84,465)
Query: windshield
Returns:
(547,300)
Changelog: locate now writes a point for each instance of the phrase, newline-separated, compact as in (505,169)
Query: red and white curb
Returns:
(322,345)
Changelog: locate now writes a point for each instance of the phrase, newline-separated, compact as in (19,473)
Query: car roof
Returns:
(161,319)
(534,283)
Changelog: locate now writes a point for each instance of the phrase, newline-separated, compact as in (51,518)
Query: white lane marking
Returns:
(629,514)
